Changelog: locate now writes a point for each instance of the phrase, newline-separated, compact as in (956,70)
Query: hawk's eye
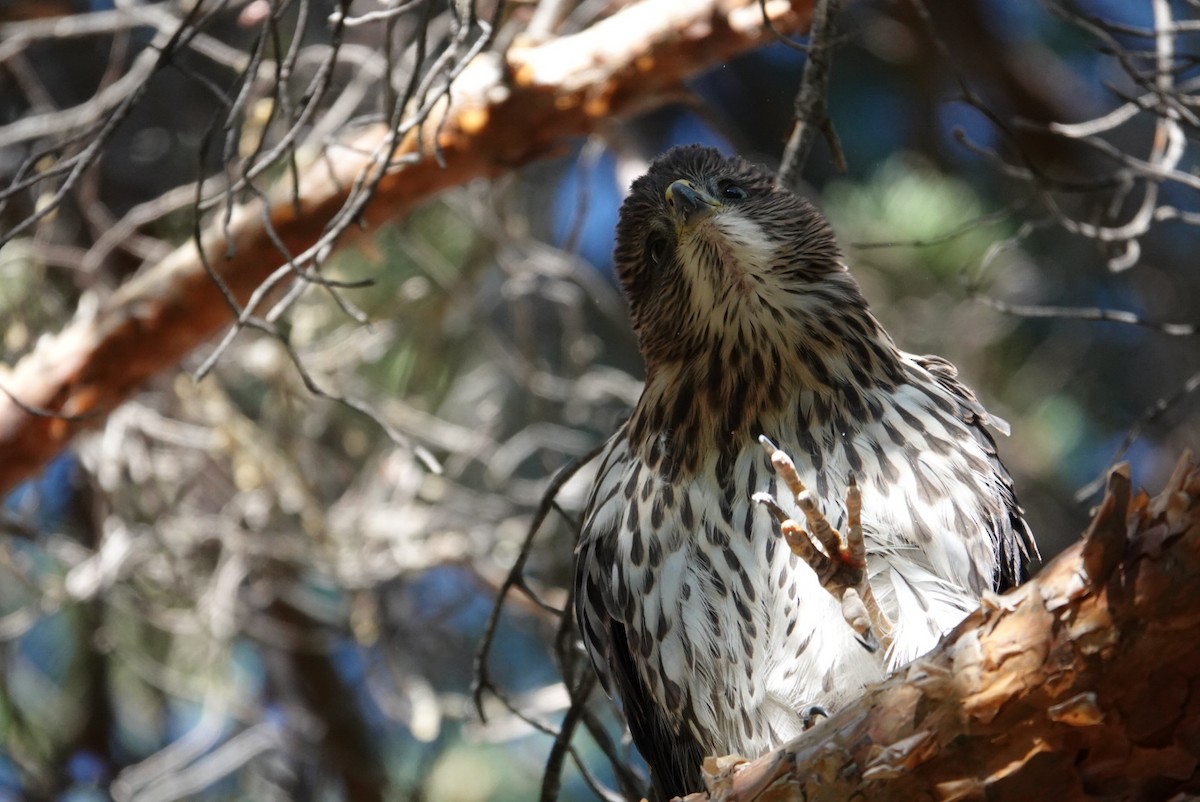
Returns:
(731,191)
(656,248)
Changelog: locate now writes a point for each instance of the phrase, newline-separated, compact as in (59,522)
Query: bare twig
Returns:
(812,109)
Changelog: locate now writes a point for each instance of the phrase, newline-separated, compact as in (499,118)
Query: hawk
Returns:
(717,637)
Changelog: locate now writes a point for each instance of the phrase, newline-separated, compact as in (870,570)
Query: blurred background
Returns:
(235,588)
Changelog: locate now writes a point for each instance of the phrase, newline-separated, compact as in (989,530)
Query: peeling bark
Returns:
(1082,684)
(507,110)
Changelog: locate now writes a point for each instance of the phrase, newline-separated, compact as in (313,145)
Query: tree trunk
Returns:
(1082,684)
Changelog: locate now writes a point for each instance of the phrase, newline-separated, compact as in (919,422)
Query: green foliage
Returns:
(933,218)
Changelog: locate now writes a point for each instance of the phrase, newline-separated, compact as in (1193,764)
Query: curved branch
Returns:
(506,111)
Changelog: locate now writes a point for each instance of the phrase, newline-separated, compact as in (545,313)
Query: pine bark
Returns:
(1082,684)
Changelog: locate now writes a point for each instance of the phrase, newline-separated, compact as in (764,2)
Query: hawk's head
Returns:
(711,250)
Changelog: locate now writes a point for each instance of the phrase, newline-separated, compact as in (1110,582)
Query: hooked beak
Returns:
(688,204)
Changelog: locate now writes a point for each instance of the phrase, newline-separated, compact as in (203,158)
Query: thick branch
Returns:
(1082,684)
(505,112)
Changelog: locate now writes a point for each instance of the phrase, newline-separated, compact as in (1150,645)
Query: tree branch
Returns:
(505,111)
(1083,683)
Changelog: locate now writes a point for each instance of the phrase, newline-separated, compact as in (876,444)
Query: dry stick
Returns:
(578,693)
(506,111)
(1089,313)
(578,690)
(812,111)
(481,680)
(1148,416)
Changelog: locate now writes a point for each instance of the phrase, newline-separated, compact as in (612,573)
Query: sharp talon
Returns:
(768,501)
(808,716)
(868,641)
(766,443)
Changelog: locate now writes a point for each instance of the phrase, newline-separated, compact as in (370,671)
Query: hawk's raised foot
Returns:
(839,563)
